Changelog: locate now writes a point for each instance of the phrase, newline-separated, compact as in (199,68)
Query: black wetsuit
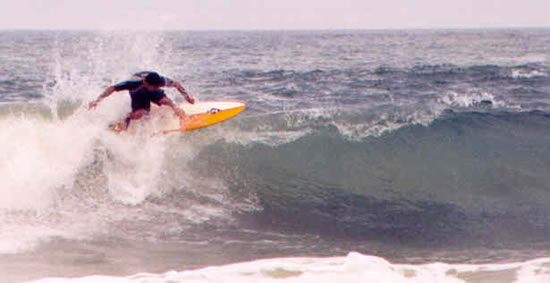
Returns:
(141,96)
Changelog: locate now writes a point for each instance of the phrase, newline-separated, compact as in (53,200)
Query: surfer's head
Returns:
(153,80)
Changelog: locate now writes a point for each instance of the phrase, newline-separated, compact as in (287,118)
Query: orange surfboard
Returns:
(198,115)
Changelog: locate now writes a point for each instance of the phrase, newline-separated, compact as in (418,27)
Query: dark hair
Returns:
(154,79)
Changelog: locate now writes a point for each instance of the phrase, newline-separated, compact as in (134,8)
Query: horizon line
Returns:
(284,29)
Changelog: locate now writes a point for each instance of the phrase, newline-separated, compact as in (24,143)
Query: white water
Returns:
(40,156)
(45,155)
(352,268)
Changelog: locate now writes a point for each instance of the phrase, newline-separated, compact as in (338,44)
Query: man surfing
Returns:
(146,88)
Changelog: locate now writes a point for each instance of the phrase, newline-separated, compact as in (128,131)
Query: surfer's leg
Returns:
(138,114)
(134,115)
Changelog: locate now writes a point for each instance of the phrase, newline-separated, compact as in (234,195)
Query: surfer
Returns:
(144,88)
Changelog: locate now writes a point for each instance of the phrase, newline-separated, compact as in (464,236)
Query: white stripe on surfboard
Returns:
(206,106)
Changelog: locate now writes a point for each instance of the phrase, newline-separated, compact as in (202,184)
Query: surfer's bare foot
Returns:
(179,112)
(119,126)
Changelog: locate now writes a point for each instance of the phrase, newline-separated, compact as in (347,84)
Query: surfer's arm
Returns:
(108,91)
(168,102)
(179,86)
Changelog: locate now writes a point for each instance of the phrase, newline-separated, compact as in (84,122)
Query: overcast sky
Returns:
(271,14)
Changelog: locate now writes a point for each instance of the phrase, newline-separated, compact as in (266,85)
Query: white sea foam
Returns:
(469,100)
(45,155)
(268,137)
(358,132)
(45,192)
(352,268)
(40,156)
(133,166)
(523,74)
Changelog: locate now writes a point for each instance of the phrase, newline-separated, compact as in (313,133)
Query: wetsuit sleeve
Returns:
(168,82)
(127,85)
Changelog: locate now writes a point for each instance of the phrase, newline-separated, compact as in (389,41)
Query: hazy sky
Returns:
(268,14)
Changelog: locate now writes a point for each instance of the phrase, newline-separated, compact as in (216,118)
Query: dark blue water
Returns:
(411,145)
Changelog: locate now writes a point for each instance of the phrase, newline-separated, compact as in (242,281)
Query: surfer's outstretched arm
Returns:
(168,102)
(179,86)
(108,91)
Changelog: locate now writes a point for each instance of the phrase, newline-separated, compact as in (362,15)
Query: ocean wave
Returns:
(463,170)
(446,148)
(464,178)
(354,267)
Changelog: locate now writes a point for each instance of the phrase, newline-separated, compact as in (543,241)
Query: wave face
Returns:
(465,176)
(411,145)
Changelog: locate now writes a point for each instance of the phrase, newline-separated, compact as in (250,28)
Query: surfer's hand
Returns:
(179,112)
(183,92)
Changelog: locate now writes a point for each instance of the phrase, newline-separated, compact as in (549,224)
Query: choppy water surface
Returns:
(414,146)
